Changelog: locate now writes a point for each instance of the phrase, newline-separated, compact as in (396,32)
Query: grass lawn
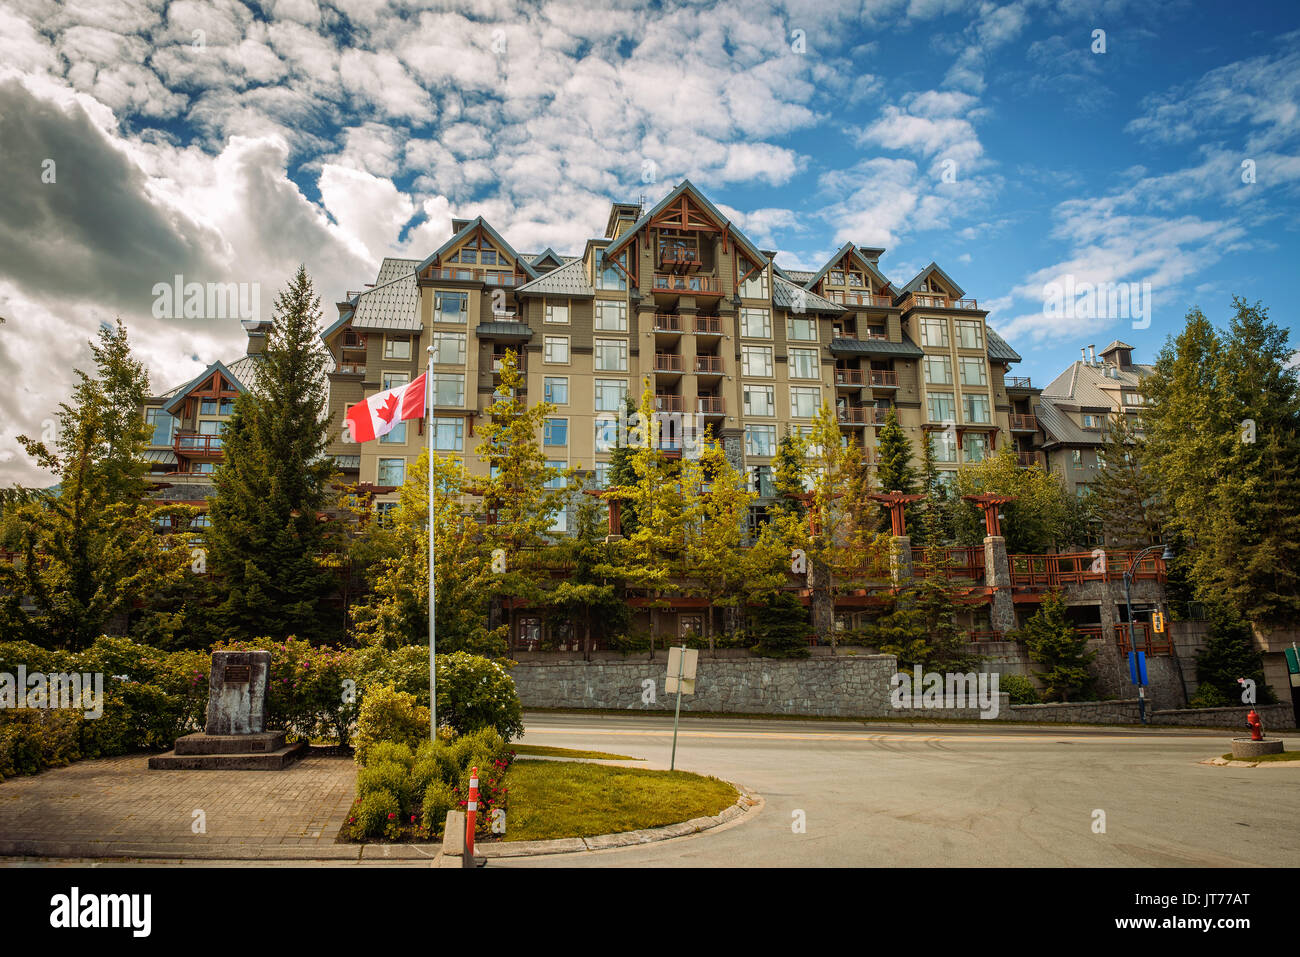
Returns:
(553,799)
(1284,756)
(545,751)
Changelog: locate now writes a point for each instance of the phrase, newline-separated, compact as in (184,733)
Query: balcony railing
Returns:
(861,299)
(861,415)
(679,256)
(850,377)
(864,336)
(1026,459)
(665,322)
(1018,382)
(1138,636)
(708,326)
(1075,568)
(192,444)
(928,301)
(884,379)
(956,561)
(1023,423)
(709,364)
(351,368)
(353,341)
(492,277)
(701,285)
(670,403)
(667,362)
(710,405)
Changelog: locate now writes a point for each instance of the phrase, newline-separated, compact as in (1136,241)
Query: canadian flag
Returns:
(379,414)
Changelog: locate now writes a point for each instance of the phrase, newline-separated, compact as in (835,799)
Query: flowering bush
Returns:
(388,715)
(476,692)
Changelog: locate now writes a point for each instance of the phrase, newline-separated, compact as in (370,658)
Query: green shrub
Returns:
(1208,696)
(424,773)
(389,715)
(34,739)
(1020,689)
(386,776)
(398,752)
(475,692)
(378,814)
(438,800)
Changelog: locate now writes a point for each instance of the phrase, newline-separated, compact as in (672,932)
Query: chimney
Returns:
(1092,353)
(1083,354)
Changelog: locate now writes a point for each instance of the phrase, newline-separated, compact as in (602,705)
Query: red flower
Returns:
(392,815)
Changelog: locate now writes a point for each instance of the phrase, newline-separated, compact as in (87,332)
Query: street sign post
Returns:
(1137,673)
(681,678)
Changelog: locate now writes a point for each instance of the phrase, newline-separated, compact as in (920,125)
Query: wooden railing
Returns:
(493,277)
(884,379)
(351,368)
(860,299)
(1138,636)
(959,561)
(1017,382)
(353,341)
(861,336)
(708,326)
(669,403)
(1026,459)
(1023,423)
(710,364)
(705,285)
(710,404)
(666,322)
(667,362)
(854,414)
(921,300)
(1076,568)
(849,377)
(192,444)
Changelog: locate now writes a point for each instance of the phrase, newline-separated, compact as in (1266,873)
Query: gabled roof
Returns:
(1117,344)
(245,366)
(473,224)
(544,255)
(395,305)
(786,293)
(845,250)
(1059,428)
(568,280)
(1086,386)
(686,186)
(915,284)
(393,268)
(998,348)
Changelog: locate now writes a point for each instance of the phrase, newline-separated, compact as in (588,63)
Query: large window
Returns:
(976,408)
(943,446)
(556,390)
(611,355)
(397,347)
(756,360)
(760,481)
(448,389)
(611,316)
(755,324)
(974,371)
(392,380)
(974,447)
(801,330)
(938,370)
(449,435)
(555,349)
(392,471)
(759,400)
(609,276)
(755,287)
(216,406)
(606,434)
(941,407)
(760,440)
(970,334)
(803,364)
(163,425)
(555,432)
(804,401)
(557,311)
(602,474)
(449,348)
(610,395)
(934,333)
(450,306)
(395,437)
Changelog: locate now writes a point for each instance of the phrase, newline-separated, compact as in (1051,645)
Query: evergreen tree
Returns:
(1036,522)
(621,473)
(1055,643)
(781,626)
(1125,495)
(591,592)
(894,471)
(267,536)
(1229,654)
(789,475)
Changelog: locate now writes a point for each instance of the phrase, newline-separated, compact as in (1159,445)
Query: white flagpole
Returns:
(433,667)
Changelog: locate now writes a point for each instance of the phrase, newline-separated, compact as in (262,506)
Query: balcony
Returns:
(929,301)
(353,340)
(687,285)
(708,365)
(865,336)
(852,378)
(1026,459)
(679,257)
(710,405)
(197,446)
(666,322)
(861,299)
(861,415)
(669,403)
(498,359)
(708,326)
(884,379)
(1018,382)
(667,362)
(350,368)
(1023,423)
(491,277)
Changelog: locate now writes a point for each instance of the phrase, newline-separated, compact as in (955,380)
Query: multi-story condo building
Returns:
(1074,409)
(676,297)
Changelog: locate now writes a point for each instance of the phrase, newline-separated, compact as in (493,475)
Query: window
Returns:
(397,347)
(204,468)
(974,371)
(934,333)
(212,428)
(611,355)
(557,312)
(609,276)
(803,364)
(760,439)
(450,306)
(449,435)
(835,277)
(941,407)
(1092,421)
(976,408)
(755,324)
(163,425)
(555,432)
(938,370)
(556,390)
(943,445)
(602,474)
(759,400)
(448,389)
(207,407)
(392,380)
(449,348)
(801,330)
(690,626)
(970,334)
(558,481)
(611,395)
(755,287)
(611,316)
(974,446)
(756,360)
(381,513)
(1076,458)
(760,481)
(804,401)
(396,436)
(392,471)
(606,434)
(556,349)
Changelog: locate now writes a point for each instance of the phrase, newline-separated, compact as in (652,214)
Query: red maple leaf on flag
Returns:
(388,409)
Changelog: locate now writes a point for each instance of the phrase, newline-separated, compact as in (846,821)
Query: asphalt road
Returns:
(955,795)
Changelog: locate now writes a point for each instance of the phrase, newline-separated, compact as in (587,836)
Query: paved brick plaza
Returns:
(116,807)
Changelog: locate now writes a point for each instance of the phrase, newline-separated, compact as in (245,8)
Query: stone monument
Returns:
(235,736)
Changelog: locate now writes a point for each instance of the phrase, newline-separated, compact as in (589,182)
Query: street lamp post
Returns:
(1128,605)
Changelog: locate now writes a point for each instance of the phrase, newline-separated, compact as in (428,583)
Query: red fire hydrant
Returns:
(1256,728)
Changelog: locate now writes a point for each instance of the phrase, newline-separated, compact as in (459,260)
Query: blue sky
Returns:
(229,141)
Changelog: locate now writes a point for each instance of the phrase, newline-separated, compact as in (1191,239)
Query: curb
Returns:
(1222,763)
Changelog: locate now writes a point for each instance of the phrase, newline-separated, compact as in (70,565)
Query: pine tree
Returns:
(1229,654)
(894,471)
(1125,495)
(1055,643)
(591,593)
(781,627)
(267,536)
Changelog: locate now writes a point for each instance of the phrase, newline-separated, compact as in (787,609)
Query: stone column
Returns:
(997,576)
(900,560)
